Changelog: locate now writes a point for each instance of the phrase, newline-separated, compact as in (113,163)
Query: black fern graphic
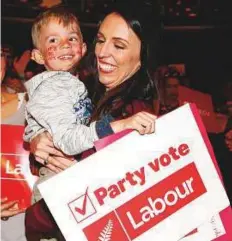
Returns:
(106,233)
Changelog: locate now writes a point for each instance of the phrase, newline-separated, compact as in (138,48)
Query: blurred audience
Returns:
(20,63)
(10,80)
(32,69)
(167,81)
(228,129)
(12,96)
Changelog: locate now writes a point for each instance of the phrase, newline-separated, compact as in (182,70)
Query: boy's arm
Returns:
(103,126)
(52,106)
(32,129)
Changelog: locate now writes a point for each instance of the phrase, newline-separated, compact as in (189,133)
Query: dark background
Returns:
(197,33)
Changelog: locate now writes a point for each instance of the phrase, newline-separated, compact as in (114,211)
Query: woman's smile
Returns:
(106,67)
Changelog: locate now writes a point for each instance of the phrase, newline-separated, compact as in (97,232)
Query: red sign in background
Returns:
(16,178)
(204,104)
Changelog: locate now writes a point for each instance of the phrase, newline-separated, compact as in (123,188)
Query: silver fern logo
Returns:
(106,233)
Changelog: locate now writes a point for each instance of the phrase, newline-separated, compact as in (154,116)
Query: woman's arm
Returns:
(39,220)
(143,122)
(42,145)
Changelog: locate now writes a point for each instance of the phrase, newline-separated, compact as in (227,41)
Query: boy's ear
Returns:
(37,56)
(84,49)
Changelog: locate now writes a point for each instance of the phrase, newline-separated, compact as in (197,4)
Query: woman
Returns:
(12,113)
(122,88)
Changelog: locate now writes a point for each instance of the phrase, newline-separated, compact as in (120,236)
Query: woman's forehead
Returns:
(116,23)
(114,26)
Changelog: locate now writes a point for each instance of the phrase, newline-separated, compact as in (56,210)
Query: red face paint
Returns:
(51,53)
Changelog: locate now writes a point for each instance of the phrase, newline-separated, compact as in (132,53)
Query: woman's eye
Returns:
(100,41)
(119,46)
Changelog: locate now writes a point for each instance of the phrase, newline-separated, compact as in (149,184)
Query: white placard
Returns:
(152,187)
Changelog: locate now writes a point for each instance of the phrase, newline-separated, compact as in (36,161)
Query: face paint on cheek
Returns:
(51,53)
(78,51)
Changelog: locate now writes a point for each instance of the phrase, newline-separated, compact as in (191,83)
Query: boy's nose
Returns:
(65,44)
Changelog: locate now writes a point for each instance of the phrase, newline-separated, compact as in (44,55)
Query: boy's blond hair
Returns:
(60,14)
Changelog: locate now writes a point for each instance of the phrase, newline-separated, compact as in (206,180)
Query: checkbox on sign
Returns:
(82,207)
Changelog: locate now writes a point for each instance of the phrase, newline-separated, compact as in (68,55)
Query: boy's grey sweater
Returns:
(58,103)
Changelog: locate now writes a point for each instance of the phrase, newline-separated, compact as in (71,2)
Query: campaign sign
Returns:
(152,187)
(217,228)
(204,104)
(16,178)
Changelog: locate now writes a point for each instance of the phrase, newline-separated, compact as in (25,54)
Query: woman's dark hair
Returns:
(144,21)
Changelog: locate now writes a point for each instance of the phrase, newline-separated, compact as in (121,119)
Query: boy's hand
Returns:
(143,122)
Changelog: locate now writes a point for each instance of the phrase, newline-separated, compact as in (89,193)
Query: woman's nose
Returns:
(104,50)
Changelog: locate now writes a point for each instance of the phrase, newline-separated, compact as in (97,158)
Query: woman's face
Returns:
(117,51)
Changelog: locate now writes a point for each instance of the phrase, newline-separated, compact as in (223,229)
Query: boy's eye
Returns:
(53,40)
(73,39)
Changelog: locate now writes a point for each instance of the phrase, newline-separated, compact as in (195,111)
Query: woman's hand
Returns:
(45,153)
(143,122)
(228,140)
(8,208)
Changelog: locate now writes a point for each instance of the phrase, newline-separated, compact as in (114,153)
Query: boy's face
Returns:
(60,48)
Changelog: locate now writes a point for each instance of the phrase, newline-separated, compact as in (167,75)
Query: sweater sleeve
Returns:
(103,127)
(32,129)
(60,105)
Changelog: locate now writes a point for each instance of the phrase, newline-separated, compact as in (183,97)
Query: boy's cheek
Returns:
(51,56)
(51,53)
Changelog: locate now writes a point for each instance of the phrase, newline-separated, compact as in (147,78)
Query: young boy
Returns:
(58,101)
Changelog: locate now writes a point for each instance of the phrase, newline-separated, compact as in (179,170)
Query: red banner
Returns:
(204,104)
(16,178)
